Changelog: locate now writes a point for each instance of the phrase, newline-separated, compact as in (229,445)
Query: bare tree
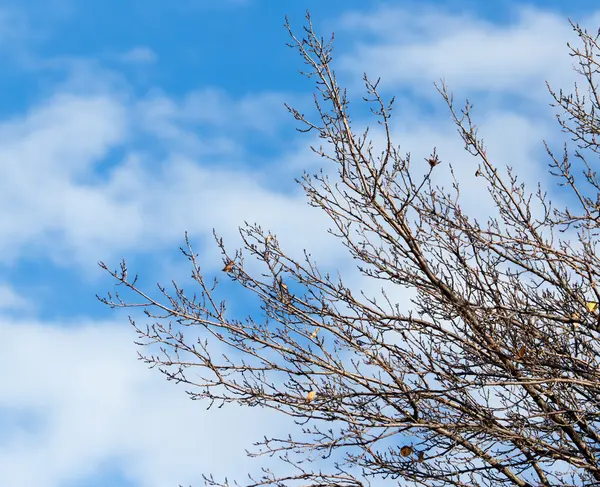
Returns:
(491,379)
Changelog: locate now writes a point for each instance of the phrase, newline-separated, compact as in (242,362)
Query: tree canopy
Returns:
(490,376)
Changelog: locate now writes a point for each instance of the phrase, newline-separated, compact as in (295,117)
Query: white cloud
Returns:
(44,155)
(417,47)
(88,403)
(11,300)
(139,55)
(262,112)
(61,197)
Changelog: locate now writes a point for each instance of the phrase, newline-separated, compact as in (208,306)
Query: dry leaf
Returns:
(269,238)
(592,306)
(405,450)
(477,173)
(314,334)
(421,456)
(311,396)
(576,316)
(228,267)
(521,352)
(433,160)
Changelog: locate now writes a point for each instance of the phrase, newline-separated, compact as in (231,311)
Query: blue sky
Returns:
(125,124)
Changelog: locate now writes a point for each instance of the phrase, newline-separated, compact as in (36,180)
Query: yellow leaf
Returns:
(285,293)
(405,450)
(311,396)
(592,306)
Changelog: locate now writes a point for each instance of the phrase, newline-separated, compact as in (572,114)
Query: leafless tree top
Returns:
(488,377)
